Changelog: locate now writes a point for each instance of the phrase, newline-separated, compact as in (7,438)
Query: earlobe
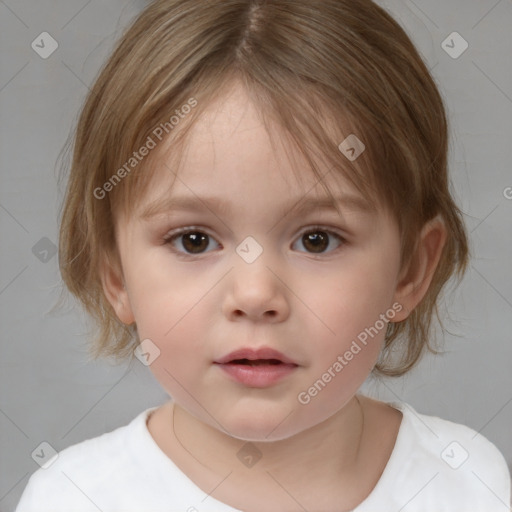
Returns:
(115,291)
(415,280)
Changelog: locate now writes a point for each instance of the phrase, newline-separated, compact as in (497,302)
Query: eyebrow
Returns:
(167,205)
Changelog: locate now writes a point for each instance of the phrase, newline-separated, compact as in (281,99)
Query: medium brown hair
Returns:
(319,70)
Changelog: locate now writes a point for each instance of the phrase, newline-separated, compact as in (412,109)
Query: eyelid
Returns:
(187,229)
(321,227)
(183,231)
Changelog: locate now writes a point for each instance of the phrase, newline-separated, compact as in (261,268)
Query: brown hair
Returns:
(320,70)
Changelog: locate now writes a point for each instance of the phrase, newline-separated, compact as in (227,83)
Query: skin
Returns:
(329,453)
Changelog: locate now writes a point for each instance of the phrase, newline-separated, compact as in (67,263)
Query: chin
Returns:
(263,424)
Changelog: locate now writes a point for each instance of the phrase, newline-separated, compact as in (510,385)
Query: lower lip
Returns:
(258,376)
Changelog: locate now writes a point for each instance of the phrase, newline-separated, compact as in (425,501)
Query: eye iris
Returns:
(195,242)
(317,239)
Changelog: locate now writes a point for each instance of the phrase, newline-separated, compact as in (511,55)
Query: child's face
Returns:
(310,306)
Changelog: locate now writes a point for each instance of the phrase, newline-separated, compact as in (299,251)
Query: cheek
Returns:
(179,333)
(339,367)
(174,322)
(164,296)
(343,366)
(352,299)
(353,310)
(172,304)
(331,385)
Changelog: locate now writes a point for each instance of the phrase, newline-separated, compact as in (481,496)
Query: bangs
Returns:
(301,123)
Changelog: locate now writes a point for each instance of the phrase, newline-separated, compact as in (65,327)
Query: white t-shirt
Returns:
(435,466)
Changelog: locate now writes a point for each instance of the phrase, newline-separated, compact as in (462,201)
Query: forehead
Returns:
(229,150)
(231,136)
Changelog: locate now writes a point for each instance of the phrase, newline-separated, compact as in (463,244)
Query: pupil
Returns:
(193,242)
(318,241)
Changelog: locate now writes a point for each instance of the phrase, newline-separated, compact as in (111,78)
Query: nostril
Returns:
(271,313)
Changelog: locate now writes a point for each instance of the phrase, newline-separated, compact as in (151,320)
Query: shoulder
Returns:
(450,460)
(79,471)
(458,443)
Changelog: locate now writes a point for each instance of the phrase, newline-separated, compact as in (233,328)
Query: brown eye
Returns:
(192,242)
(195,242)
(318,241)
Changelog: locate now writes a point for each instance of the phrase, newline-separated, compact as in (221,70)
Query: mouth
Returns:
(256,368)
(256,362)
(255,357)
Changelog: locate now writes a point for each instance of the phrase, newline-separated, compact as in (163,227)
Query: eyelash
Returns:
(170,237)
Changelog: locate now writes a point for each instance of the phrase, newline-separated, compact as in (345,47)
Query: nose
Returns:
(256,292)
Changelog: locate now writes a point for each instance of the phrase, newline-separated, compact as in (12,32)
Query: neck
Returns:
(329,450)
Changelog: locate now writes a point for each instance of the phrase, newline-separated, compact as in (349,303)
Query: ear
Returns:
(415,279)
(114,289)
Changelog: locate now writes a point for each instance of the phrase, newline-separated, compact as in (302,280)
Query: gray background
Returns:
(49,391)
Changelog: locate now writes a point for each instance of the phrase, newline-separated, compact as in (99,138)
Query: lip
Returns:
(255,354)
(262,374)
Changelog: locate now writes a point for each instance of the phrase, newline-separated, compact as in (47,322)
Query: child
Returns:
(259,210)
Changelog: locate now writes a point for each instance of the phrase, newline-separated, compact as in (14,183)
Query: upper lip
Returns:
(255,354)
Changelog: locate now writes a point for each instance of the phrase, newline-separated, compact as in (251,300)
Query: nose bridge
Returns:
(255,288)
(251,270)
